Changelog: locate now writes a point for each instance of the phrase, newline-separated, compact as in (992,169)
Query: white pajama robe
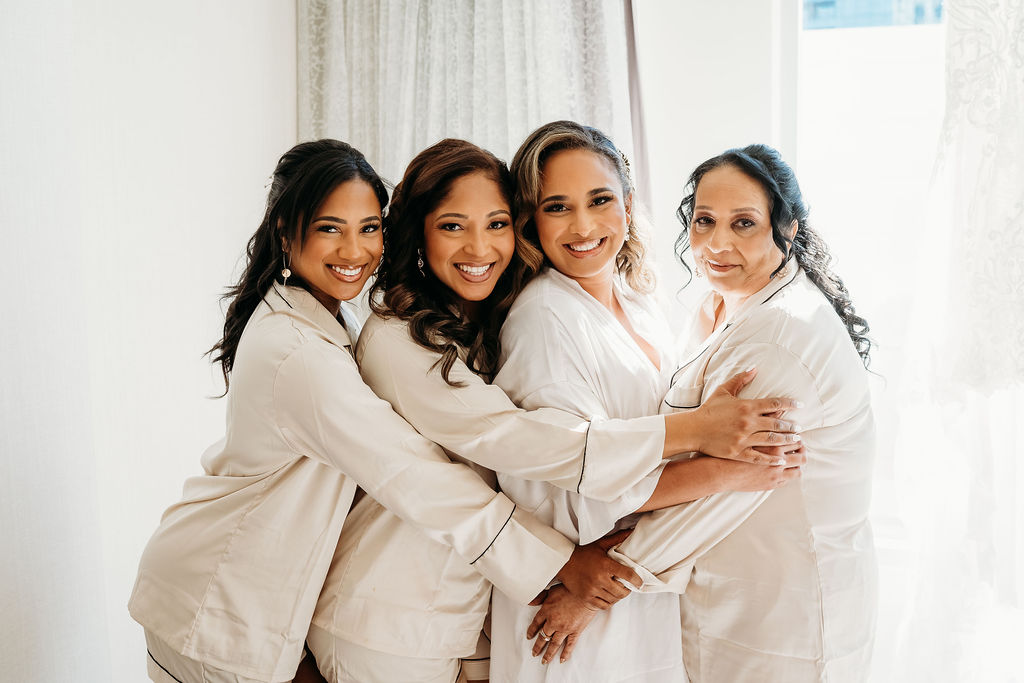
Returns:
(394,590)
(779,587)
(563,349)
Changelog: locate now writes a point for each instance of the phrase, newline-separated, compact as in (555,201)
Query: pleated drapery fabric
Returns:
(392,77)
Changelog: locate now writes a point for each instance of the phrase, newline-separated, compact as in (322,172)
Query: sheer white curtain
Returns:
(394,76)
(959,468)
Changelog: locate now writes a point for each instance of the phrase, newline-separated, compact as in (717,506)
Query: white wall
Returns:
(137,140)
(714,75)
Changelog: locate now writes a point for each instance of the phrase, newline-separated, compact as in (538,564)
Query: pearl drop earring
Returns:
(285,272)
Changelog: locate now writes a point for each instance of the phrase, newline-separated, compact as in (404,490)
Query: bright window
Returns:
(825,14)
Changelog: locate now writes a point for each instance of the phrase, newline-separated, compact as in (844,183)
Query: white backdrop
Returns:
(137,140)
(136,146)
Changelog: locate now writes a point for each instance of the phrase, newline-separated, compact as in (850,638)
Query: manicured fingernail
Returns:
(795,437)
(751,368)
(798,404)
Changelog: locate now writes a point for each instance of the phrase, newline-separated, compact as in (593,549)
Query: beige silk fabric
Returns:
(232,575)
(776,587)
(394,589)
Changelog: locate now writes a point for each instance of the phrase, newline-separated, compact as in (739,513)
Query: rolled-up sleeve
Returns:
(666,543)
(326,412)
(480,423)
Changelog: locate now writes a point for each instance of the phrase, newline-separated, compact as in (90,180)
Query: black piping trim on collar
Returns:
(672,382)
(497,534)
(772,295)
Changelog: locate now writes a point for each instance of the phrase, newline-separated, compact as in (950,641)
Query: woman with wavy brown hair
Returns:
(398,606)
(228,583)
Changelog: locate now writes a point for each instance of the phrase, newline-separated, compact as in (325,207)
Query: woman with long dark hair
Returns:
(397,606)
(228,583)
(777,586)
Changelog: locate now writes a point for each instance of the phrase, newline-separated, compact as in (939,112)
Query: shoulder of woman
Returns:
(539,291)
(798,318)
(271,335)
(801,347)
(384,332)
(546,303)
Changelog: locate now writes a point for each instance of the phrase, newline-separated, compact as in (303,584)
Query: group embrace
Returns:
(511,471)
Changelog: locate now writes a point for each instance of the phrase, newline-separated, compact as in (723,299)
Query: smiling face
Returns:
(582,216)
(343,245)
(731,233)
(468,238)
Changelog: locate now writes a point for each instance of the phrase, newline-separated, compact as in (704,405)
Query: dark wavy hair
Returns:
(764,164)
(430,307)
(303,178)
(528,167)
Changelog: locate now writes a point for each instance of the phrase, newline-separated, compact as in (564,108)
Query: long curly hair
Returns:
(303,178)
(414,294)
(765,165)
(528,168)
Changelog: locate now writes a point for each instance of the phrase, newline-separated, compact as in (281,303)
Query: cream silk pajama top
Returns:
(232,575)
(776,587)
(393,589)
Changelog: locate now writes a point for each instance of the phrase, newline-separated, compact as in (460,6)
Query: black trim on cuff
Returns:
(497,534)
(583,466)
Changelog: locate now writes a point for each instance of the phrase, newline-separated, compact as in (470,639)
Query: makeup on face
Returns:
(582,216)
(731,233)
(468,237)
(343,245)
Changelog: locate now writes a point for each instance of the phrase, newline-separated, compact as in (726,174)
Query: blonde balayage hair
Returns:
(528,167)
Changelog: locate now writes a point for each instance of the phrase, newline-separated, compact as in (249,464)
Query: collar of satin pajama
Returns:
(298,302)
